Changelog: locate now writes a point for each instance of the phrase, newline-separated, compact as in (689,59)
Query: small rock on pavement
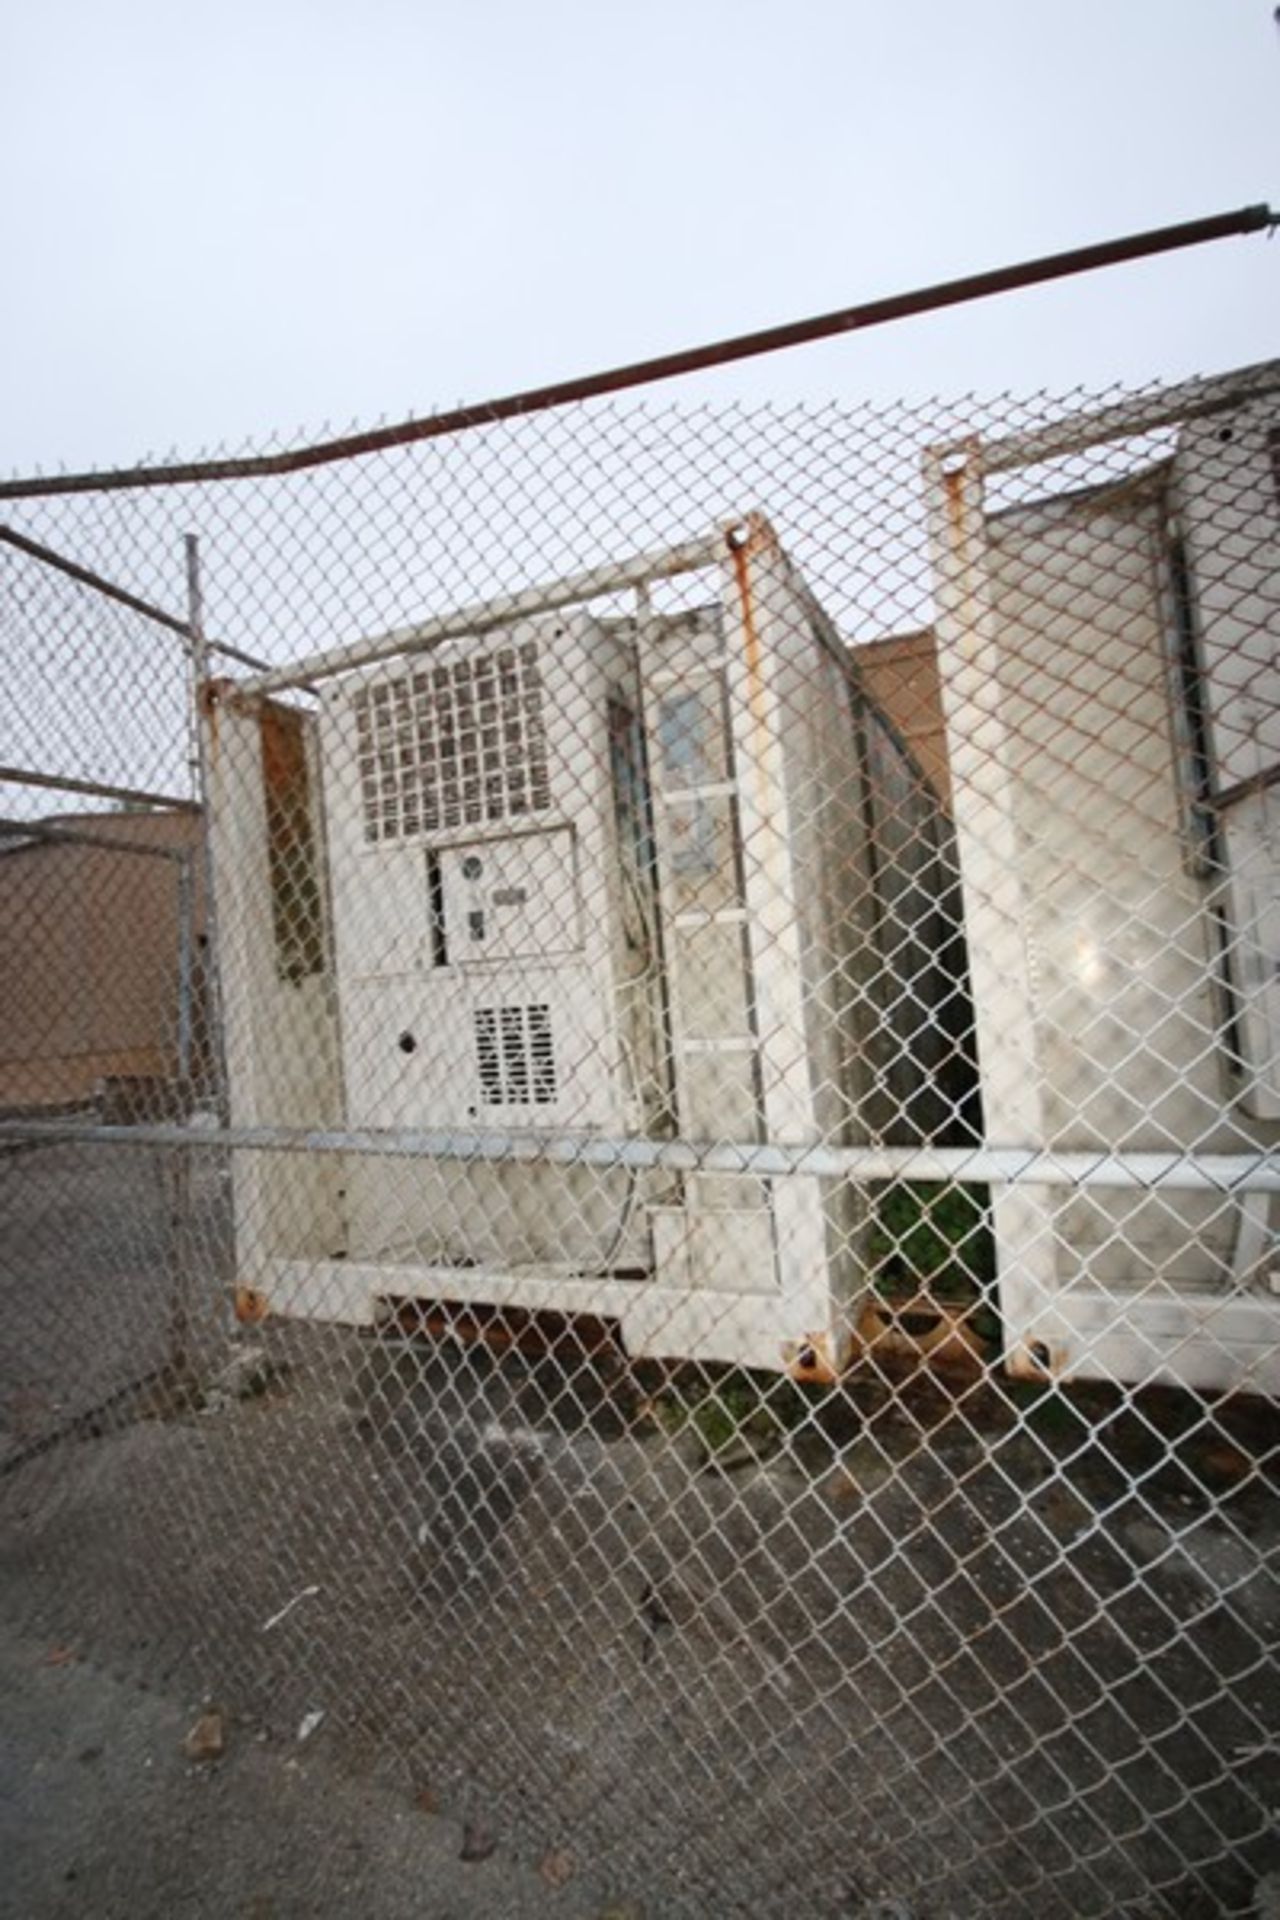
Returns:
(556,1868)
(249,1372)
(478,1841)
(1063,1511)
(1225,1462)
(861,1470)
(207,1739)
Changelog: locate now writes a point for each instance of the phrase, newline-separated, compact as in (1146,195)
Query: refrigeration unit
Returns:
(574,949)
(1109,659)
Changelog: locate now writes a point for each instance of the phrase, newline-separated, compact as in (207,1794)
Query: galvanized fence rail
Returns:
(639,1093)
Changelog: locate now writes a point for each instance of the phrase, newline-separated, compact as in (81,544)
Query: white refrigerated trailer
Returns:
(1109,663)
(561,924)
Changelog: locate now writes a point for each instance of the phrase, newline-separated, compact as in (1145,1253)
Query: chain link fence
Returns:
(640,1082)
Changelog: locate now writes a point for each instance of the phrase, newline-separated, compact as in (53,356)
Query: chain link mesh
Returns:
(654,1183)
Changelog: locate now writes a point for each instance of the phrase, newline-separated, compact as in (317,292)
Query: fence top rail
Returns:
(1257,218)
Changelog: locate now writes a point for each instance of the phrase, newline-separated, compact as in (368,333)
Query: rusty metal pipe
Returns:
(745,346)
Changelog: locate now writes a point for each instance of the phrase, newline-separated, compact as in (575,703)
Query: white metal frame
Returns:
(1203,1339)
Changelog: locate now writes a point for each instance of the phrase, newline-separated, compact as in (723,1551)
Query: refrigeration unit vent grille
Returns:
(515,1059)
(462,744)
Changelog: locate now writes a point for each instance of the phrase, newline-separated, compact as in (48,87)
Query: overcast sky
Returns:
(257,217)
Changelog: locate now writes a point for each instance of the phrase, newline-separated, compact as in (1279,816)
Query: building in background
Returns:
(101,938)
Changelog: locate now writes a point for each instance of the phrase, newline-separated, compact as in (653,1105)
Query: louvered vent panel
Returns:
(515,1059)
(452,746)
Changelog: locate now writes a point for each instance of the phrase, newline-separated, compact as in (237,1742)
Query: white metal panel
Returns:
(985,803)
(1131,1050)
(1252,836)
(729,1250)
(476,942)
(1227,500)
(660,1322)
(795,753)
(281,1046)
(1127,1023)
(759,605)
(1209,1342)
(510,899)
(529,1046)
